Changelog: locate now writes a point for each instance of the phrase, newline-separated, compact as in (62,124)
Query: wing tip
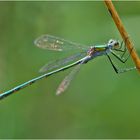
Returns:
(59,91)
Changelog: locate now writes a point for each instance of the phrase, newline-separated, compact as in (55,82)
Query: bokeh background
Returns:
(98,104)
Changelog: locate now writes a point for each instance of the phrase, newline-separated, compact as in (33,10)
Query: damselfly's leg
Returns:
(122,47)
(119,70)
(123,60)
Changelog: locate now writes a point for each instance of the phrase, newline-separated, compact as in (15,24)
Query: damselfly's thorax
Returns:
(91,51)
(97,50)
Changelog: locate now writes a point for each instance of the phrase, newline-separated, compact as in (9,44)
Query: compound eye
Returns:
(116,45)
(110,41)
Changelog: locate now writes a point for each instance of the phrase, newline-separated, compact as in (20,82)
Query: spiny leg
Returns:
(123,44)
(118,50)
(118,71)
(124,48)
(123,60)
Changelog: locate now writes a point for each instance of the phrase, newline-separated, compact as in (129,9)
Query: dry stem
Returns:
(123,32)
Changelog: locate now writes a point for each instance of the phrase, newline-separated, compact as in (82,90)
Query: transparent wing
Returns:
(56,44)
(65,83)
(61,62)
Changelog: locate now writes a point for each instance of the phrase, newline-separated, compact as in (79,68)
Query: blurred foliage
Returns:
(98,104)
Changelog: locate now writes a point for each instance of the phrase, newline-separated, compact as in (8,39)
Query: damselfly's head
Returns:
(113,44)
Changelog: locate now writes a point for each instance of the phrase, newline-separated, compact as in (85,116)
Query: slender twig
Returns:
(123,32)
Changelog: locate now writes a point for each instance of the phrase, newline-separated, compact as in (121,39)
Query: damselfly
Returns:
(84,56)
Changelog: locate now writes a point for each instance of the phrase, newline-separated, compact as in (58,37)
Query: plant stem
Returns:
(123,32)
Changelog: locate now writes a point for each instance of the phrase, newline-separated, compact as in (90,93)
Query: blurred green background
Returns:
(98,104)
